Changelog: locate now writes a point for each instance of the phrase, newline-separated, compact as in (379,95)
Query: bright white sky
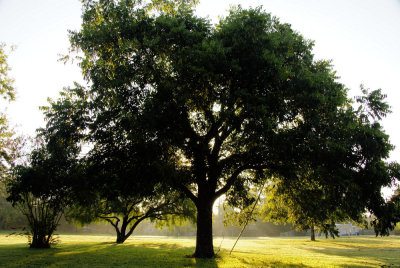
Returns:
(362,37)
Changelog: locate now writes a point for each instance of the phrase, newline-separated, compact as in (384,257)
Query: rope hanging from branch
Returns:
(248,218)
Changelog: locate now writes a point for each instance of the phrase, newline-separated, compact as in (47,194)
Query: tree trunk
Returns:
(39,241)
(204,237)
(312,232)
(121,236)
(127,231)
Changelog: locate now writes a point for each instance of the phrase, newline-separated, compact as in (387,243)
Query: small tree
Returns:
(36,190)
(119,181)
(125,189)
(125,214)
(307,206)
(389,218)
(41,188)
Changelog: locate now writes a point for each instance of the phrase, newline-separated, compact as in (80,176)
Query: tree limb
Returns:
(229,182)
(188,193)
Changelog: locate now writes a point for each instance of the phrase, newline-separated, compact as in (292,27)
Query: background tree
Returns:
(7,90)
(228,101)
(11,218)
(42,188)
(38,191)
(10,153)
(7,93)
(118,180)
(125,189)
(330,189)
(10,145)
(389,218)
(307,207)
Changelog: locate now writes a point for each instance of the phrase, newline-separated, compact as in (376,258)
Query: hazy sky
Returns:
(362,37)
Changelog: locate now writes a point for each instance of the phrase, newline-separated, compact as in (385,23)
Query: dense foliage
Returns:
(7,93)
(9,145)
(7,90)
(228,102)
(42,186)
(178,109)
(307,207)
(38,190)
(123,188)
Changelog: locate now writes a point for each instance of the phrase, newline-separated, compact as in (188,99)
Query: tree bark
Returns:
(312,232)
(121,238)
(125,232)
(39,241)
(204,237)
(121,233)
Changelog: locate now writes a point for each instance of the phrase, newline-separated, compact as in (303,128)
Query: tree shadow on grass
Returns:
(386,257)
(101,255)
(108,254)
(251,259)
(133,254)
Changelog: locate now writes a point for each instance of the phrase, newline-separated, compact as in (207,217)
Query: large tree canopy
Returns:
(124,184)
(345,178)
(226,102)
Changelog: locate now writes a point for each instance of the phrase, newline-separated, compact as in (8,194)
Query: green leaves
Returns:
(7,90)
(8,143)
(372,105)
(305,203)
(217,104)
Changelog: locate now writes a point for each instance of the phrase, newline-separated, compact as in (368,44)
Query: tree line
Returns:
(178,113)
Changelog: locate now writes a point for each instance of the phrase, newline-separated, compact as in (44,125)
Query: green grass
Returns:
(101,251)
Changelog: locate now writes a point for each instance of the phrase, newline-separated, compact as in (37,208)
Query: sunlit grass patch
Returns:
(101,251)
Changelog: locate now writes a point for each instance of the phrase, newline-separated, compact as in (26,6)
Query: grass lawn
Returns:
(101,251)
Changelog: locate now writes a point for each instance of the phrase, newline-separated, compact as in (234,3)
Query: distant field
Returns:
(101,251)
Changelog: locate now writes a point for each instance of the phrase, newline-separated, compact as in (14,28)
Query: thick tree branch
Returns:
(109,219)
(188,193)
(234,176)
(135,225)
(229,182)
